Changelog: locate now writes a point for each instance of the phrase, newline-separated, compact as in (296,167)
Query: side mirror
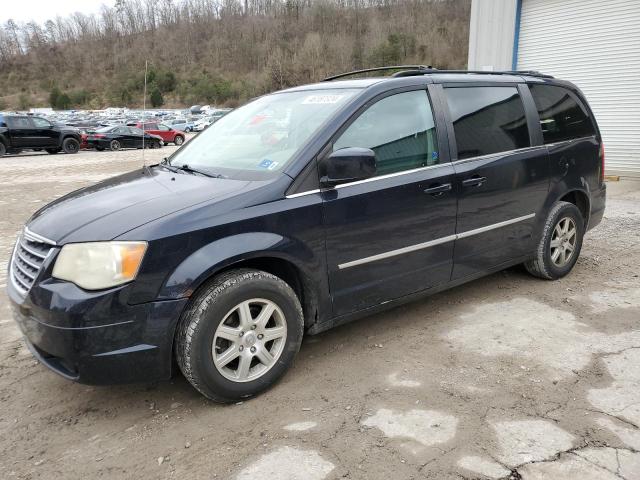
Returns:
(347,165)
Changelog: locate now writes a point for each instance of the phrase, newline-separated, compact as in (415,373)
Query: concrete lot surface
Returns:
(508,376)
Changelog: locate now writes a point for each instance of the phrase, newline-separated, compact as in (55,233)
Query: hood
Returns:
(119,204)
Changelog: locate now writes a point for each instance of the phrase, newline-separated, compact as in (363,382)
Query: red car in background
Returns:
(168,134)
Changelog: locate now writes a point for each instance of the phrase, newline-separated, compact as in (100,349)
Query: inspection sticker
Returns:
(321,99)
(268,164)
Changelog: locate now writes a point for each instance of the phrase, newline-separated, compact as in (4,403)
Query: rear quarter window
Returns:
(562,115)
(18,122)
(487,120)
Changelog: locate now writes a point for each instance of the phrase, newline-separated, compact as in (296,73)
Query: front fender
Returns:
(219,254)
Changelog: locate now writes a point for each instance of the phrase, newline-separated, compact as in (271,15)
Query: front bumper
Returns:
(96,337)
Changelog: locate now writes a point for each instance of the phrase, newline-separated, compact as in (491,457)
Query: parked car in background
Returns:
(201,124)
(115,138)
(20,132)
(209,119)
(84,144)
(168,134)
(181,124)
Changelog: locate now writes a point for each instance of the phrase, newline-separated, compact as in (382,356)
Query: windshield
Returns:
(261,137)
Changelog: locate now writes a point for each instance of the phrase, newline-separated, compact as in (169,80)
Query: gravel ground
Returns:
(508,376)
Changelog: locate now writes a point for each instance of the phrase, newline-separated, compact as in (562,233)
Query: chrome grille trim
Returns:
(29,254)
(32,252)
(22,259)
(38,238)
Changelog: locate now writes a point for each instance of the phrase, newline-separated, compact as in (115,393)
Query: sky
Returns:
(43,10)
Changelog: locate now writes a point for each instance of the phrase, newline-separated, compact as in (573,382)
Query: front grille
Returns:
(28,256)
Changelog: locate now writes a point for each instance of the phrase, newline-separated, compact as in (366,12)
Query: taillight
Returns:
(601,162)
(97,135)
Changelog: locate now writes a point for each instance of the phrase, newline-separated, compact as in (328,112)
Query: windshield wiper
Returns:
(165,163)
(187,168)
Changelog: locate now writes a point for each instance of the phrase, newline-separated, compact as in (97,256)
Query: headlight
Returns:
(98,265)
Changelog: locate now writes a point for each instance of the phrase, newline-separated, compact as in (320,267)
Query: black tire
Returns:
(100,149)
(70,145)
(52,151)
(542,265)
(179,140)
(114,145)
(207,310)
(3,149)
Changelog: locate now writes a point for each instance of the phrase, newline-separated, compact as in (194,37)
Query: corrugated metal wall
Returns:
(596,45)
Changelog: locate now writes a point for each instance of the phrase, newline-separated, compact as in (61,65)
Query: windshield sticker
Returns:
(322,99)
(268,164)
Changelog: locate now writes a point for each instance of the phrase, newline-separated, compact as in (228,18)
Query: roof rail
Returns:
(414,70)
(378,69)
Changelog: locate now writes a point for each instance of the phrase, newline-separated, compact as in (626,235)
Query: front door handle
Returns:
(474,181)
(438,189)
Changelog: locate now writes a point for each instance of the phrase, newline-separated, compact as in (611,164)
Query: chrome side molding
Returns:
(432,243)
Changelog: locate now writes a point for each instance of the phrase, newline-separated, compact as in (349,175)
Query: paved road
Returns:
(506,374)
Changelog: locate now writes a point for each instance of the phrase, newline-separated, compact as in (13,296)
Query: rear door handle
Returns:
(474,181)
(439,189)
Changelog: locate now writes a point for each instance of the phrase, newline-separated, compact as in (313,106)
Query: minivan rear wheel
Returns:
(559,247)
(239,335)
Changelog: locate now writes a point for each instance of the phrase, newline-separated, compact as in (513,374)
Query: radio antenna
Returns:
(144,111)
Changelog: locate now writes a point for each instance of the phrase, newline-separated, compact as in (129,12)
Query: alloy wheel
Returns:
(249,340)
(563,241)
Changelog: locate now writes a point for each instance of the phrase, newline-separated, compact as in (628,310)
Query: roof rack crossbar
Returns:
(414,70)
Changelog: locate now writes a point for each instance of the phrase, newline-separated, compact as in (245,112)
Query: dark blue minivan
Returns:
(302,210)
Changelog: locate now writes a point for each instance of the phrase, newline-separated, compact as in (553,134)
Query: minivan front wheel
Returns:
(239,335)
(559,247)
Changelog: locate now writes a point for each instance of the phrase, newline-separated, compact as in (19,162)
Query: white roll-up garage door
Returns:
(596,45)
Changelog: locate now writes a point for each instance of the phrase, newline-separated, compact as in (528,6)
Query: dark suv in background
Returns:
(303,210)
(26,132)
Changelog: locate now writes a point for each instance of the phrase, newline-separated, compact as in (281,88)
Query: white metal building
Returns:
(593,43)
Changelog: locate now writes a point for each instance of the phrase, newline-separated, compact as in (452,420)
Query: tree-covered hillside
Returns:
(218,51)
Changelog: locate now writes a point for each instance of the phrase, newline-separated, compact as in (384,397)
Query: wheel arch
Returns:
(577,193)
(287,271)
(258,250)
(581,200)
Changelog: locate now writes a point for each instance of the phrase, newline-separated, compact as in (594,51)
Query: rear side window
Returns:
(562,117)
(400,130)
(18,122)
(487,120)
